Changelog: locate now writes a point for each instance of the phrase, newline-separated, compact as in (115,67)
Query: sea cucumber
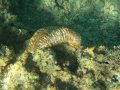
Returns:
(51,36)
(47,37)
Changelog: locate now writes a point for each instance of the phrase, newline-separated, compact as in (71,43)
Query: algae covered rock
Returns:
(16,77)
(6,54)
(92,62)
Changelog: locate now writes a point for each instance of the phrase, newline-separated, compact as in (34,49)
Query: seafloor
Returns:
(94,65)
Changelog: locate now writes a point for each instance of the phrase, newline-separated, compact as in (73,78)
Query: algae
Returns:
(94,65)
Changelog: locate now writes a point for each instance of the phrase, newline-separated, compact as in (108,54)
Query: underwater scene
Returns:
(59,44)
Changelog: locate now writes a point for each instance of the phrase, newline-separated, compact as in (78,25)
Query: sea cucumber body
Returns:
(50,36)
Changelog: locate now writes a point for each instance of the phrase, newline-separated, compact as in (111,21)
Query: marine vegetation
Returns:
(59,45)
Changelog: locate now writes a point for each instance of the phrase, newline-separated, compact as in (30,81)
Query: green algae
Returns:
(60,67)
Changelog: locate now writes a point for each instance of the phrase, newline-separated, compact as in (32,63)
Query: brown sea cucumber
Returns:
(51,36)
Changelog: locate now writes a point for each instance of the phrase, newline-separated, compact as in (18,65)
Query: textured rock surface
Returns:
(95,65)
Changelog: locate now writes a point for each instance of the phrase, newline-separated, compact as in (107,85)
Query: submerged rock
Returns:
(93,65)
